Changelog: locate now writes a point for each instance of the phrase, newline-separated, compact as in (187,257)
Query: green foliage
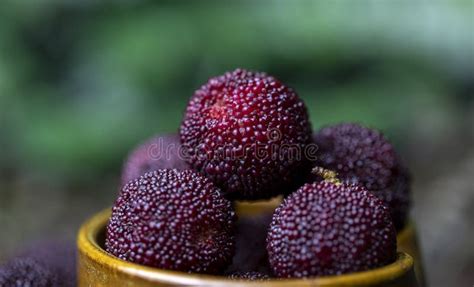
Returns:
(81,83)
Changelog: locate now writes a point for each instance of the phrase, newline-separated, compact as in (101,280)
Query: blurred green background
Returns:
(82,82)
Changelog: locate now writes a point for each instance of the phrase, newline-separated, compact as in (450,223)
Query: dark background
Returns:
(81,83)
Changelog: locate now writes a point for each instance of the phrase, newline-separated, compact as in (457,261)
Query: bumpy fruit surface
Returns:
(397,198)
(57,255)
(159,152)
(328,229)
(362,155)
(175,220)
(22,272)
(242,130)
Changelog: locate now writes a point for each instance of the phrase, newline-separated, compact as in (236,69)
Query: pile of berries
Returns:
(247,136)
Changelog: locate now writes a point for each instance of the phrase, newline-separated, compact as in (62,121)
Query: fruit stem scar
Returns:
(327,174)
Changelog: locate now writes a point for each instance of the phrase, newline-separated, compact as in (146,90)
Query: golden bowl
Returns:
(98,268)
(407,241)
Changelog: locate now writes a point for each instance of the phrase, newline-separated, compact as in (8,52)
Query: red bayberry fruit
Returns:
(362,155)
(174,220)
(244,131)
(58,256)
(330,228)
(28,272)
(159,152)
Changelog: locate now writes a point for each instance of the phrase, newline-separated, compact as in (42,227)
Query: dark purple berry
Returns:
(328,229)
(250,242)
(362,155)
(22,272)
(247,132)
(57,255)
(159,152)
(357,154)
(175,220)
(397,198)
(249,275)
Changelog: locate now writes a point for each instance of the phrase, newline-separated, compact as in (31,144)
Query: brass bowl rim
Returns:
(88,246)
